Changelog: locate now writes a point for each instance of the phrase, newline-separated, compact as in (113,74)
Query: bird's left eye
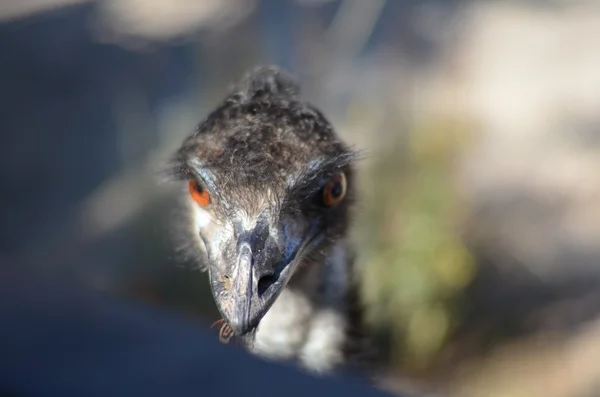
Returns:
(199,194)
(335,190)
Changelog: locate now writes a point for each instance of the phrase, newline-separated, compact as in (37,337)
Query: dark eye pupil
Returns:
(199,188)
(336,189)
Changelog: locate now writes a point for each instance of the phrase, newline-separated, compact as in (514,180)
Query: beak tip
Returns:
(239,327)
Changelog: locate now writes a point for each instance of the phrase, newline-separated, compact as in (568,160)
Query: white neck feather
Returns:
(307,323)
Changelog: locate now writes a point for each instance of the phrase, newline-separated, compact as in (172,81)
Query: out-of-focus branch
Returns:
(15,9)
(352,27)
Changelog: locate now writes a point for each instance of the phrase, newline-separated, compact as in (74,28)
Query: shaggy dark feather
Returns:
(260,132)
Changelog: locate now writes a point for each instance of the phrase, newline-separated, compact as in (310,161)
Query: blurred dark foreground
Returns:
(59,340)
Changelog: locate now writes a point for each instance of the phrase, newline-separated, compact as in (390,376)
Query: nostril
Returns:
(265,282)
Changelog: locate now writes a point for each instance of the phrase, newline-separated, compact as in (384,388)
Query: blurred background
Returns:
(478,227)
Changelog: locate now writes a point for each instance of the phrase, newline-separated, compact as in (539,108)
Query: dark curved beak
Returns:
(250,275)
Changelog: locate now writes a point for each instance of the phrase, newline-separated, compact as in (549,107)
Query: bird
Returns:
(269,193)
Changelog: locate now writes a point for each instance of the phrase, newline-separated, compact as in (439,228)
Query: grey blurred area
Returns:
(478,230)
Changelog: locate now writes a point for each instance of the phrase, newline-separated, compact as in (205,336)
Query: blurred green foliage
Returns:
(413,264)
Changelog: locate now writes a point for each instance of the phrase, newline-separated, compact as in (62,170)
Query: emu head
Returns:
(269,189)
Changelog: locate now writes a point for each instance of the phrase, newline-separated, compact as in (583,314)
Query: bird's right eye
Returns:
(199,194)
(335,190)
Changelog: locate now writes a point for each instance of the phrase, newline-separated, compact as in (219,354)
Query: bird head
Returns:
(269,186)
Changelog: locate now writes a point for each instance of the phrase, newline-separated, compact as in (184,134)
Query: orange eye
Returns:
(199,194)
(335,190)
